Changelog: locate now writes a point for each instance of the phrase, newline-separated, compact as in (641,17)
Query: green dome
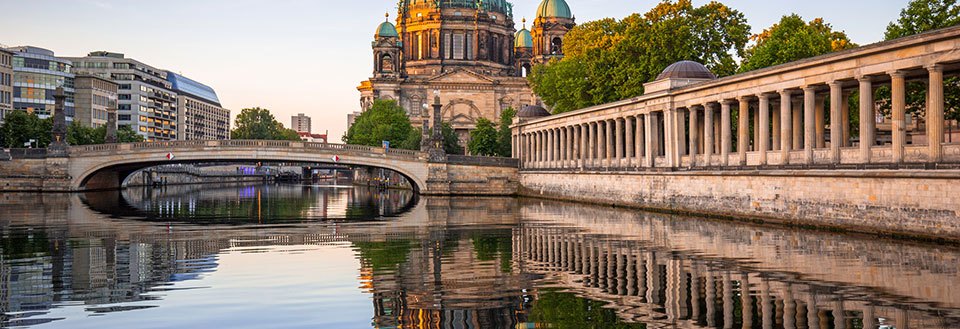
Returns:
(386,29)
(523,39)
(554,8)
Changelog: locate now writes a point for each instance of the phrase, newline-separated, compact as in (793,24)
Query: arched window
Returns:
(386,63)
(556,46)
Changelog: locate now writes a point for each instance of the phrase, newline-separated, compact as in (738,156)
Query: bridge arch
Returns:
(99,167)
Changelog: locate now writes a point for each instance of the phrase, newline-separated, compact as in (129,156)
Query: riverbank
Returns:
(906,204)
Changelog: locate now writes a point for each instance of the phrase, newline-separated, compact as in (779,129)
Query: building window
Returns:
(446,46)
(458,46)
(469,43)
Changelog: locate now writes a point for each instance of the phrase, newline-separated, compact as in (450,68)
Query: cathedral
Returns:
(466,51)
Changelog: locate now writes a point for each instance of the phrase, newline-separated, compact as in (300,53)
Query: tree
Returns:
(125,134)
(610,60)
(384,121)
(793,39)
(451,142)
(504,134)
(483,139)
(922,16)
(20,127)
(81,135)
(258,123)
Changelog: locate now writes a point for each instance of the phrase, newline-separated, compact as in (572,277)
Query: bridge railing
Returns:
(27,153)
(172,145)
(483,161)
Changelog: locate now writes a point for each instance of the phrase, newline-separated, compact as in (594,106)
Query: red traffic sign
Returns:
(336,158)
(170,156)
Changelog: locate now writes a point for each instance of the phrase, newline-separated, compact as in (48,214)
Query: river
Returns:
(294,256)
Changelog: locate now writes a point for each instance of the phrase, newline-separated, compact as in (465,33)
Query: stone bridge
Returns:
(105,166)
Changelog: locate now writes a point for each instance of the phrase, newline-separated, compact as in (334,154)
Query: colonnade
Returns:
(801,125)
(686,291)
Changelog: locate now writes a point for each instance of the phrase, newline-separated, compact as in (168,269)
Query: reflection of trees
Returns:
(385,255)
(563,310)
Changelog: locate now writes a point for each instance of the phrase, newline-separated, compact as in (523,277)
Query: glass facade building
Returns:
(202,117)
(6,82)
(36,75)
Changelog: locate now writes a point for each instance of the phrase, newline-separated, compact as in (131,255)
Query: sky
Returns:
(308,56)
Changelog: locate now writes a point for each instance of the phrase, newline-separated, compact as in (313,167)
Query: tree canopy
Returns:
(384,121)
(793,39)
(504,134)
(259,123)
(20,127)
(609,60)
(483,139)
(924,15)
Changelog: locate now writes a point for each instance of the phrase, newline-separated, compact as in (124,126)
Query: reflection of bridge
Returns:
(105,166)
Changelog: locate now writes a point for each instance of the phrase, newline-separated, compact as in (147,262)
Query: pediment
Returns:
(462,76)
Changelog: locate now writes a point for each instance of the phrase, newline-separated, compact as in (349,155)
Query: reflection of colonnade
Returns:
(665,288)
(794,114)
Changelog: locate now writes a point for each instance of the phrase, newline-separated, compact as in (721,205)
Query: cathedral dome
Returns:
(533,111)
(499,6)
(686,70)
(523,39)
(386,29)
(554,8)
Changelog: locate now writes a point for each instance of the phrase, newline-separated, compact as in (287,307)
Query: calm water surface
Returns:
(288,256)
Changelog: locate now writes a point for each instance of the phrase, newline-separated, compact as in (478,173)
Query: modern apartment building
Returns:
(6,82)
(300,123)
(36,75)
(202,117)
(146,100)
(94,97)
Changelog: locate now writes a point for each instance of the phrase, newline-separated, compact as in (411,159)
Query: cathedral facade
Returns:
(466,51)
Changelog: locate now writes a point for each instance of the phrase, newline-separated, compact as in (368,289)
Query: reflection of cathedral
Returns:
(468,51)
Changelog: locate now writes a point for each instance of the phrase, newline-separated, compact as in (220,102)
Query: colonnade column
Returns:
(708,133)
(641,139)
(798,122)
(553,148)
(584,152)
(694,136)
(743,129)
(726,133)
(610,140)
(618,137)
(820,123)
(836,132)
(601,144)
(867,123)
(591,143)
(898,100)
(809,118)
(935,113)
(764,124)
(628,151)
(786,126)
(650,151)
(844,120)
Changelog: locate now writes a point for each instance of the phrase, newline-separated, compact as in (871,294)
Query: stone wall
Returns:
(34,175)
(918,204)
(451,179)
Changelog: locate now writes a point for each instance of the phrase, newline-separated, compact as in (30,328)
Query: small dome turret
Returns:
(386,29)
(554,8)
(533,111)
(523,38)
(686,70)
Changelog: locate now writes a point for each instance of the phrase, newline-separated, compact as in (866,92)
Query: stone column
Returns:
(764,124)
(820,123)
(809,118)
(756,128)
(641,139)
(898,100)
(551,147)
(672,138)
(58,142)
(867,119)
(618,137)
(591,145)
(743,129)
(935,113)
(680,133)
(797,110)
(561,140)
(709,133)
(650,153)
(601,142)
(726,133)
(836,132)
(786,125)
(628,151)
(111,136)
(584,145)
(610,143)
(537,149)
(694,138)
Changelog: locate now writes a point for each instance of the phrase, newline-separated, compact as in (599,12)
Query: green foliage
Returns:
(257,123)
(413,140)
(793,39)
(125,134)
(384,121)
(504,134)
(451,143)
(565,310)
(20,127)
(922,16)
(609,60)
(81,135)
(483,139)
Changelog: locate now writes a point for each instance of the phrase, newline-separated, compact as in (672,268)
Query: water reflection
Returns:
(444,263)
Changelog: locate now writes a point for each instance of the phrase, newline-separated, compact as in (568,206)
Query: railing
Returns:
(214,144)
(28,153)
(483,161)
